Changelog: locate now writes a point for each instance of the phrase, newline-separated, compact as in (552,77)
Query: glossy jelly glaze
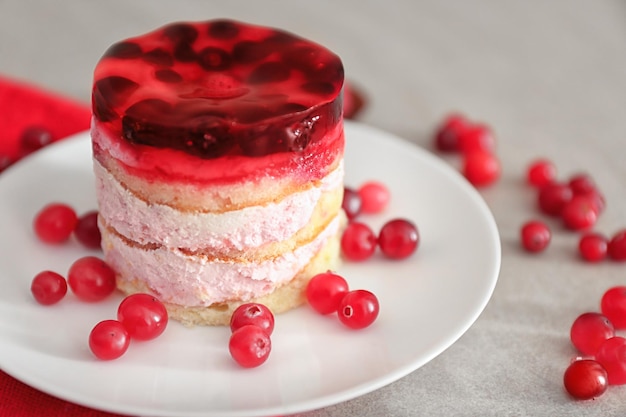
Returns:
(218,101)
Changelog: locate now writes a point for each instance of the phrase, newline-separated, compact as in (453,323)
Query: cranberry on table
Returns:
(398,238)
(589,331)
(109,340)
(579,213)
(375,197)
(553,197)
(612,356)
(617,246)
(585,379)
(325,291)
(358,241)
(541,172)
(596,198)
(87,231)
(358,309)
(535,236)
(255,314)
(477,138)
(143,315)
(48,287)
(481,168)
(613,306)
(55,223)
(250,346)
(593,247)
(353,101)
(91,279)
(581,184)
(448,133)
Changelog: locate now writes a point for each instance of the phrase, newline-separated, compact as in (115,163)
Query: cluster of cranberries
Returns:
(55,223)
(477,145)
(593,334)
(139,316)
(329,293)
(578,203)
(397,239)
(251,325)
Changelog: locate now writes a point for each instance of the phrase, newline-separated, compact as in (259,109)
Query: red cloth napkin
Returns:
(23,106)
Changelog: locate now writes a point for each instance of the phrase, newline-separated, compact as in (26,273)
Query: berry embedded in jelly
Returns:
(219,87)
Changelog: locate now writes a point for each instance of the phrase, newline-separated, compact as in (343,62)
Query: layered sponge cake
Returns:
(218,154)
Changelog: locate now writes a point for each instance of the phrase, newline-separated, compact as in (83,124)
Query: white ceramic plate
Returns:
(427,301)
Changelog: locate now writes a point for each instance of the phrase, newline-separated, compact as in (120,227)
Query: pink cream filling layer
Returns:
(181,279)
(246,228)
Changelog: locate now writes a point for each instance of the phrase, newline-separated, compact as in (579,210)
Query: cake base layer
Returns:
(286,297)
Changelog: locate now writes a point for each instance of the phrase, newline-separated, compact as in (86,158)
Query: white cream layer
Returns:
(190,281)
(246,228)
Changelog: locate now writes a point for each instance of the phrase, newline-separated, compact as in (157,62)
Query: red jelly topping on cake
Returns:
(217,88)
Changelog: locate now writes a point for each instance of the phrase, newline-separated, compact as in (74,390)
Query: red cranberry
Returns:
(581,184)
(477,138)
(358,241)
(48,287)
(541,172)
(617,246)
(398,238)
(55,223)
(87,231)
(375,197)
(535,236)
(123,50)
(353,101)
(579,213)
(223,29)
(269,72)
(448,133)
(613,306)
(159,56)
(214,59)
(612,356)
(585,379)
(589,331)
(168,76)
(481,168)
(593,247)
(596,198)
(553,197)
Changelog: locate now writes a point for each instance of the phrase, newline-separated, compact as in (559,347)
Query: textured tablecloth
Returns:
(548,76)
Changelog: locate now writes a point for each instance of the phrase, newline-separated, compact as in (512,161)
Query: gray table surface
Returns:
(548,76)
